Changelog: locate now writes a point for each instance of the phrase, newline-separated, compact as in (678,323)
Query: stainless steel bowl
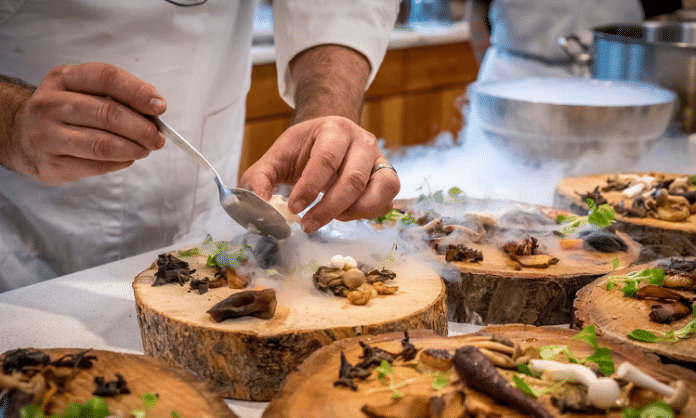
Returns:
(557,118)
(663,53)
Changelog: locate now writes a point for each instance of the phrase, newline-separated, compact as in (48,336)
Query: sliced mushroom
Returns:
(257,303)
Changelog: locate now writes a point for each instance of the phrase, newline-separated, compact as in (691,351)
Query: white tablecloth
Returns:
(93,308)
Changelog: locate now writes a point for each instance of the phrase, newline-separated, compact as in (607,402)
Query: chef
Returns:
(85,178)
(520,37)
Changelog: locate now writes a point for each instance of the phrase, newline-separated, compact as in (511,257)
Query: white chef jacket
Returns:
(198,58)
(524,34)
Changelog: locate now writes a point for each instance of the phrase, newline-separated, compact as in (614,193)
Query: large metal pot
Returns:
(662,53)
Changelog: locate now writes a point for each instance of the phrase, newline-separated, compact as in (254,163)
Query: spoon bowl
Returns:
(244,206)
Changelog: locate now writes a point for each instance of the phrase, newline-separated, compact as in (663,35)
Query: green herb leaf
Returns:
(138,413)
(602,216)
(524,369)
(657,410)
(31,411)
(190,252)
(643,335)
(454,191)
(211,262)
(150,400)
(588,335)
(615,263)
(397,395)
(602,356)
(693,180)
(633,279)
(522,385)
(689,330)
(630,412)
(549,352)
(438,197)
(175,415)
(407,220)
(441,381)
(384,369)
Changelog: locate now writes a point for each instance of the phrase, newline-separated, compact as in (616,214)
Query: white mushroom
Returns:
(676,397)
(338,261)
(350,263)
(634,190)
(602,392)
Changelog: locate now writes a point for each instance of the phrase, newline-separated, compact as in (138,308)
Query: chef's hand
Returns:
(82,120)
(331,155)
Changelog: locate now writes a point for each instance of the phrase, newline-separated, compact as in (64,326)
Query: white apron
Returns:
(198,58)
(524,35)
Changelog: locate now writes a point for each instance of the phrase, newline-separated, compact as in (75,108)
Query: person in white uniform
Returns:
(85,178)
(519,38)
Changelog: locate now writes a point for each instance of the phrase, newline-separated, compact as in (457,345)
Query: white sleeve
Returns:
(363,25)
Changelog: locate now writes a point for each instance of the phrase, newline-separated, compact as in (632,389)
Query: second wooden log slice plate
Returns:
(665,237)
(497,290)
(177,389)
(248,358)
(310,392)
(615,316)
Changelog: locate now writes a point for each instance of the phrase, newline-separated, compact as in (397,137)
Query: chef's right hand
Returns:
(83,120)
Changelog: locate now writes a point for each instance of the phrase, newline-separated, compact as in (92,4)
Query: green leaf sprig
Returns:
(403,218)
(94,407)
(602,216)
(601,355)
(386,374)
(673,336)
(532,390)
(652,410)
(632,280)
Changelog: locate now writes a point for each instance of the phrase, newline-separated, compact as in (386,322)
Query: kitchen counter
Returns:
(95,308)
(263,51)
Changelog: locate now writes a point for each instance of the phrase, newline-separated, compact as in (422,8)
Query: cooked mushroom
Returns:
(257,303)
(677,397)
(602,392)
(359,297)
(384,290)
(479,373)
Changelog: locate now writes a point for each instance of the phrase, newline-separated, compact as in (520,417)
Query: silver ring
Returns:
(381,166)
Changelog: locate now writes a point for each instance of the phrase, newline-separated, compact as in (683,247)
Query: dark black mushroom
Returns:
(257,303)
(79,360)
(171,270)
(347,372)
(459,252)
(373,356)
(479,373)
(267,252)
(110,387)
(17,360)
(409,351)
(603,241)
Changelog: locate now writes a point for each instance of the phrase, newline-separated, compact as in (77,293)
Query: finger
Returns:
(67,169)
(97,145)
(377,199)
(325,160)
(350,185)
(111,117)
(108,80)
(260,180)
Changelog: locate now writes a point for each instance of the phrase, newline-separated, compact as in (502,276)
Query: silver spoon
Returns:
(244,206)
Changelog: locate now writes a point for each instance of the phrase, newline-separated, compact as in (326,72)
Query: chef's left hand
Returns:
(332,155)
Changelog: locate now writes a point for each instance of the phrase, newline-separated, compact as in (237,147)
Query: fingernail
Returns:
(298,206)
(310,226)
(160,141)
(158,105)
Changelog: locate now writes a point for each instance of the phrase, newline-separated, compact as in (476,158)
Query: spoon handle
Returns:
(179,140)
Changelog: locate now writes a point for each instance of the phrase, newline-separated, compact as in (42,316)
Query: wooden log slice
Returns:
(248,358)
(498,290)
(614,316)
(310,393)
(661,238)
(177,388)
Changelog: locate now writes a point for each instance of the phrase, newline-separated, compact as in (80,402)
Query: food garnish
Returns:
(355,281)
(258,303)
(602,216)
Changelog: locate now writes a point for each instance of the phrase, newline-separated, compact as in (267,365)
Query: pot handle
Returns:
(579,52)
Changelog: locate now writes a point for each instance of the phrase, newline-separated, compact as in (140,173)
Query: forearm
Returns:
(330,81)
(14,94)
(480,36)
